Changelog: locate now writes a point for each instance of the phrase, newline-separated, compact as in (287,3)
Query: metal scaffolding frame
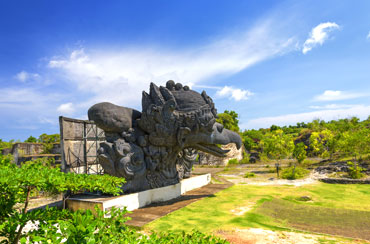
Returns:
(79,143)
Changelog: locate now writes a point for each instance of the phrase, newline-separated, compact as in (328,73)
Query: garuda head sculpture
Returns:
(158,146)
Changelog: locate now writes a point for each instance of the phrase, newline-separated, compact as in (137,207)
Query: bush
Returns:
(245,158)
(293,173)
(233,161)
(354,171)
(18,183)
(249,175)
(64,226)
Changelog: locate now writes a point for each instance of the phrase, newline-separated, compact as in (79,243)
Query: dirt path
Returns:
(312,179)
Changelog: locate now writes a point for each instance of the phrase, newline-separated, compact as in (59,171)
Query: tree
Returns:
(4,144)
(31,139)
(48,141)
(277,145)
(52,138)
(251,139)
(299,152)
(316,143)
(356,143)
(229,119)
(274,127)
(330,143)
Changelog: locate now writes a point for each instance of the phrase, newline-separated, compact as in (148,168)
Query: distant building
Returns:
(25,151)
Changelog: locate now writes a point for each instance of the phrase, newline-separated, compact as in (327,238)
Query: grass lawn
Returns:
(334,209)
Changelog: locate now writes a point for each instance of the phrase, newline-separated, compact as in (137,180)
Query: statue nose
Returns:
(219,127)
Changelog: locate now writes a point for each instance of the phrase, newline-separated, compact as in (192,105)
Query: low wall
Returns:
(140,199)
(345,181)
(24,151)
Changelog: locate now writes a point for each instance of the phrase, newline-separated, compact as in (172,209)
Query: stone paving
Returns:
(142,216)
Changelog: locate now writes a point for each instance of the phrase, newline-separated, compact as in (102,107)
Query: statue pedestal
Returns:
(140,199)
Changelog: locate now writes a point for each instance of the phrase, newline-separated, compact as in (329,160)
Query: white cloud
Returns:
(332,106)
(234,93)
(331,95)
(368,35)
(119,76)
(66,108)
(319,35)
(23,76)
(360,111)
(27,107)
(26,97)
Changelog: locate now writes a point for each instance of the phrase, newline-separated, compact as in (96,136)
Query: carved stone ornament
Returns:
(158,146)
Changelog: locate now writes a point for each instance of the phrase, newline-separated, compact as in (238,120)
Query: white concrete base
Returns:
(140,199)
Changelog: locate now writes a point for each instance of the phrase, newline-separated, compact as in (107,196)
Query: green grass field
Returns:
(334,209)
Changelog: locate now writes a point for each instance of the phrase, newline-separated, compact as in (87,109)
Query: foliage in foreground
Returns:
(52,225)
(18,183)
(82,227)
(85,227)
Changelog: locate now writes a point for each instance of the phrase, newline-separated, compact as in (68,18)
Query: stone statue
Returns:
(158,146)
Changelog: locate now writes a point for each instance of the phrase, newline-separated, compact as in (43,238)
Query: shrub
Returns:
(354,171)
(245,158)
(86,227)
(249,175)
(232,161)
(18,183)
(64,226)
(293,173)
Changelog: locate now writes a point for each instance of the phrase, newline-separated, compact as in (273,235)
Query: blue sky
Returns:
(273,62)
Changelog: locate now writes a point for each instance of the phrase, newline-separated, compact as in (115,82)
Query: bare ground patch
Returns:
(333,221)
(262,236)
(241,210)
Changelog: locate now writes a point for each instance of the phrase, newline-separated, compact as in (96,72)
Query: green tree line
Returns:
(334,139)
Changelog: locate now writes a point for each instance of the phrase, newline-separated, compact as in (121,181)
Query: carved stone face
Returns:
(175,116)
(155,148)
